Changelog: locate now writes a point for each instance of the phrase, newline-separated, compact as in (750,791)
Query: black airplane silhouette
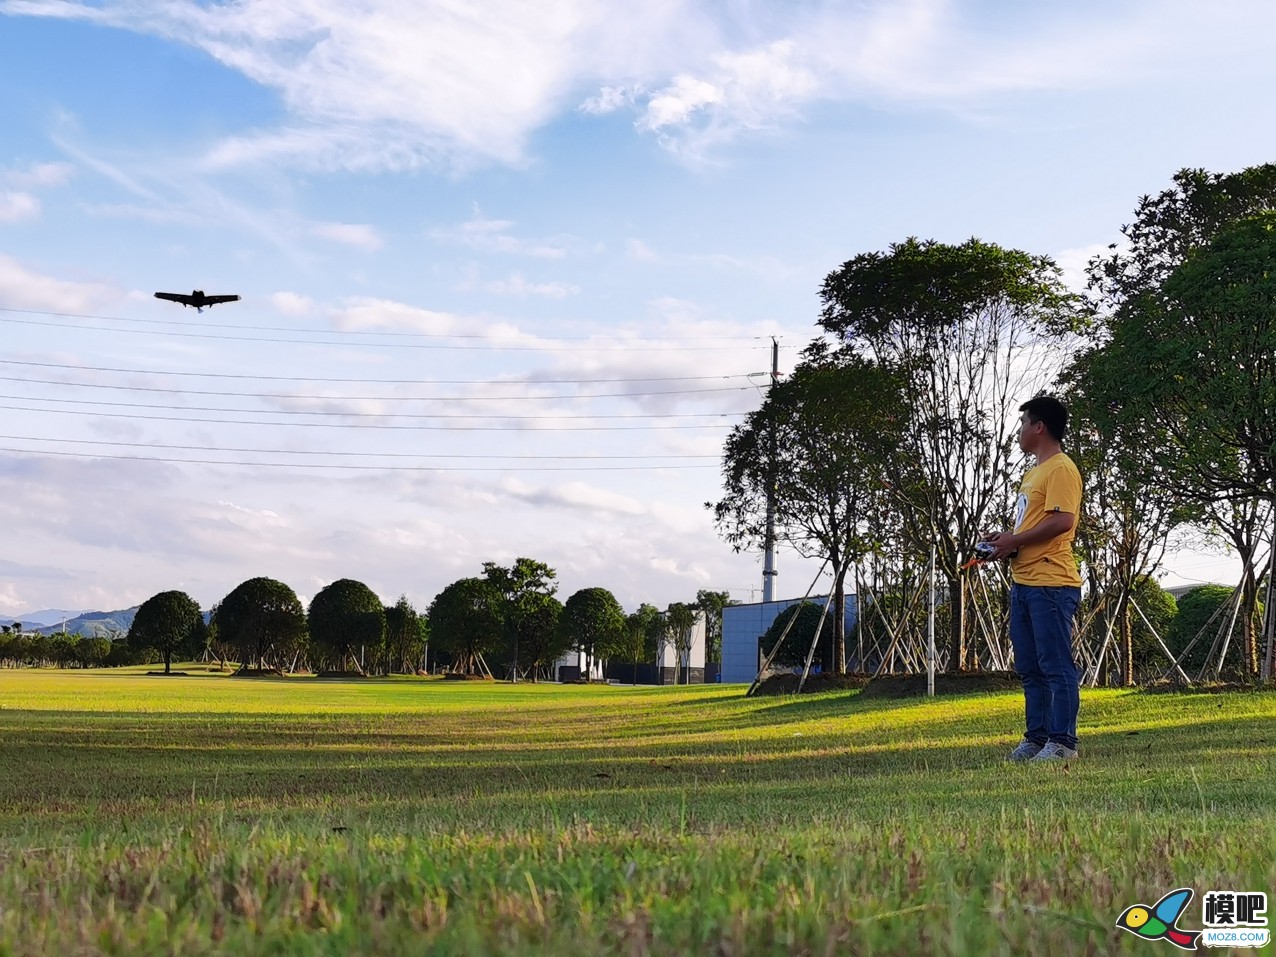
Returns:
(196,299)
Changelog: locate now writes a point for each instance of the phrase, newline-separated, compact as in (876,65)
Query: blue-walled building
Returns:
(744,625)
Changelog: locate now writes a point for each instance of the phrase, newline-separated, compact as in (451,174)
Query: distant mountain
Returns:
(91,623)
(39,619)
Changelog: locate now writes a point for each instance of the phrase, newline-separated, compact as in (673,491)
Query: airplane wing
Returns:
(214,300)
(184,299)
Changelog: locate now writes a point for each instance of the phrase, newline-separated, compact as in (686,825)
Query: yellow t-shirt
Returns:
(1052,486)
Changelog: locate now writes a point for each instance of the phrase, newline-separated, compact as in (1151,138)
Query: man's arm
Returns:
(1052,526)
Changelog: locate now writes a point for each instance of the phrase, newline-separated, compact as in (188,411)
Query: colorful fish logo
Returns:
(1156,922)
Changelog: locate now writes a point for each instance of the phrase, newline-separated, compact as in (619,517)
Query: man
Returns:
(1047,585)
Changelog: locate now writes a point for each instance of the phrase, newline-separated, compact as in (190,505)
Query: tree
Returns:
(524,586)
(967,328)
(346,617)
(405,637)
(797,642)
(259,619)
(712,603)
(815,451)
(594,623)
(680,623)
(466,622)
(541,641)
(1184,223)
(171,623)
(1201,614)
(641,637)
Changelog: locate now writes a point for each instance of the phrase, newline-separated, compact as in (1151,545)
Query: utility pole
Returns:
(768,566)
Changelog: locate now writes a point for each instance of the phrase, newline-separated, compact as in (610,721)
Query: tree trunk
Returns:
(957,635)
(1127,641)
(839,622)
(168,660)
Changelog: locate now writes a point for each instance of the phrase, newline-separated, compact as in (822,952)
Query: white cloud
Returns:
(396,84)
(38,175)
(517,285)
(365,313)
(292,304)
(1072,263)
(15,207)
(21,288)
(573,495)
(494,236)
(360,235)
(609,99)
(639,251)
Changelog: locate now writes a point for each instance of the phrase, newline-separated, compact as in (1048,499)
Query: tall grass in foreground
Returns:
(206,816)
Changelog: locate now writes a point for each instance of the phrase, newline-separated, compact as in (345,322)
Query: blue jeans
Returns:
(1041,634)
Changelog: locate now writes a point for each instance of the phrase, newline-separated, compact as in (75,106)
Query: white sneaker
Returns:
(1054,751)
(1026,751)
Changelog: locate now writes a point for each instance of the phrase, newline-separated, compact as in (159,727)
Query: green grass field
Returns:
(212,815)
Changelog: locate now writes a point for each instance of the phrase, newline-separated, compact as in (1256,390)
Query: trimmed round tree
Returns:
(466,622)
(346,618)
(594,622)
(169,622)
(262,617)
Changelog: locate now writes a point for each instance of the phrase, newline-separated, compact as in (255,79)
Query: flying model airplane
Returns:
(196,299)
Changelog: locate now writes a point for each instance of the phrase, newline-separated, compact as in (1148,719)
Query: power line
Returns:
(384,398)
(361,332)
(375,415)
(363,425)
(470,345)
(359,381)
(405,455)
(365,468)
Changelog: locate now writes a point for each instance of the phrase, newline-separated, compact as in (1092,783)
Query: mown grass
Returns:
(209,815)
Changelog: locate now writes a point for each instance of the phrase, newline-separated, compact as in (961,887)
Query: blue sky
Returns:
(488,204)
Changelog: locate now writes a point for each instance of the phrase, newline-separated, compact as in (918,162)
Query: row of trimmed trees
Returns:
(508,621)
(895,434)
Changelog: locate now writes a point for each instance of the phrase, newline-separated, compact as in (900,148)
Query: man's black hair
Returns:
(1050,411)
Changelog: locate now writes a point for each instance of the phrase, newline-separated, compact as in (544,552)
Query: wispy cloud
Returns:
(360,235)
(394,84)
(518,285)
(23,288)
(496,236)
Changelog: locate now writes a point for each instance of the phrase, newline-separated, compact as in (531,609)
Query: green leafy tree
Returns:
(466,622)
(406,634)
(963,325)
(260,619)
(347,622)
(680,622)
(169,622)
(94,651)
(712,603)
(815,451)
(1201,615)
(1187,237)
(593,622)
(641,637)
(797,642)
(524,588)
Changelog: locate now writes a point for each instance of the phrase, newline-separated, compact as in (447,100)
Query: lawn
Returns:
(213,815)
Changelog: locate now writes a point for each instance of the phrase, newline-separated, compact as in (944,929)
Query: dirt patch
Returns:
(258,673)
(787,683)
(962,682)
(451,676)
(341,675)
(166,674)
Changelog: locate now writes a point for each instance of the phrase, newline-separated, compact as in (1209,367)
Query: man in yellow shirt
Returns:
(1046,585)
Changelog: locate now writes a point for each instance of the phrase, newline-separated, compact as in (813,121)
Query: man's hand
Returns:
(1052,526)
(1006,544)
